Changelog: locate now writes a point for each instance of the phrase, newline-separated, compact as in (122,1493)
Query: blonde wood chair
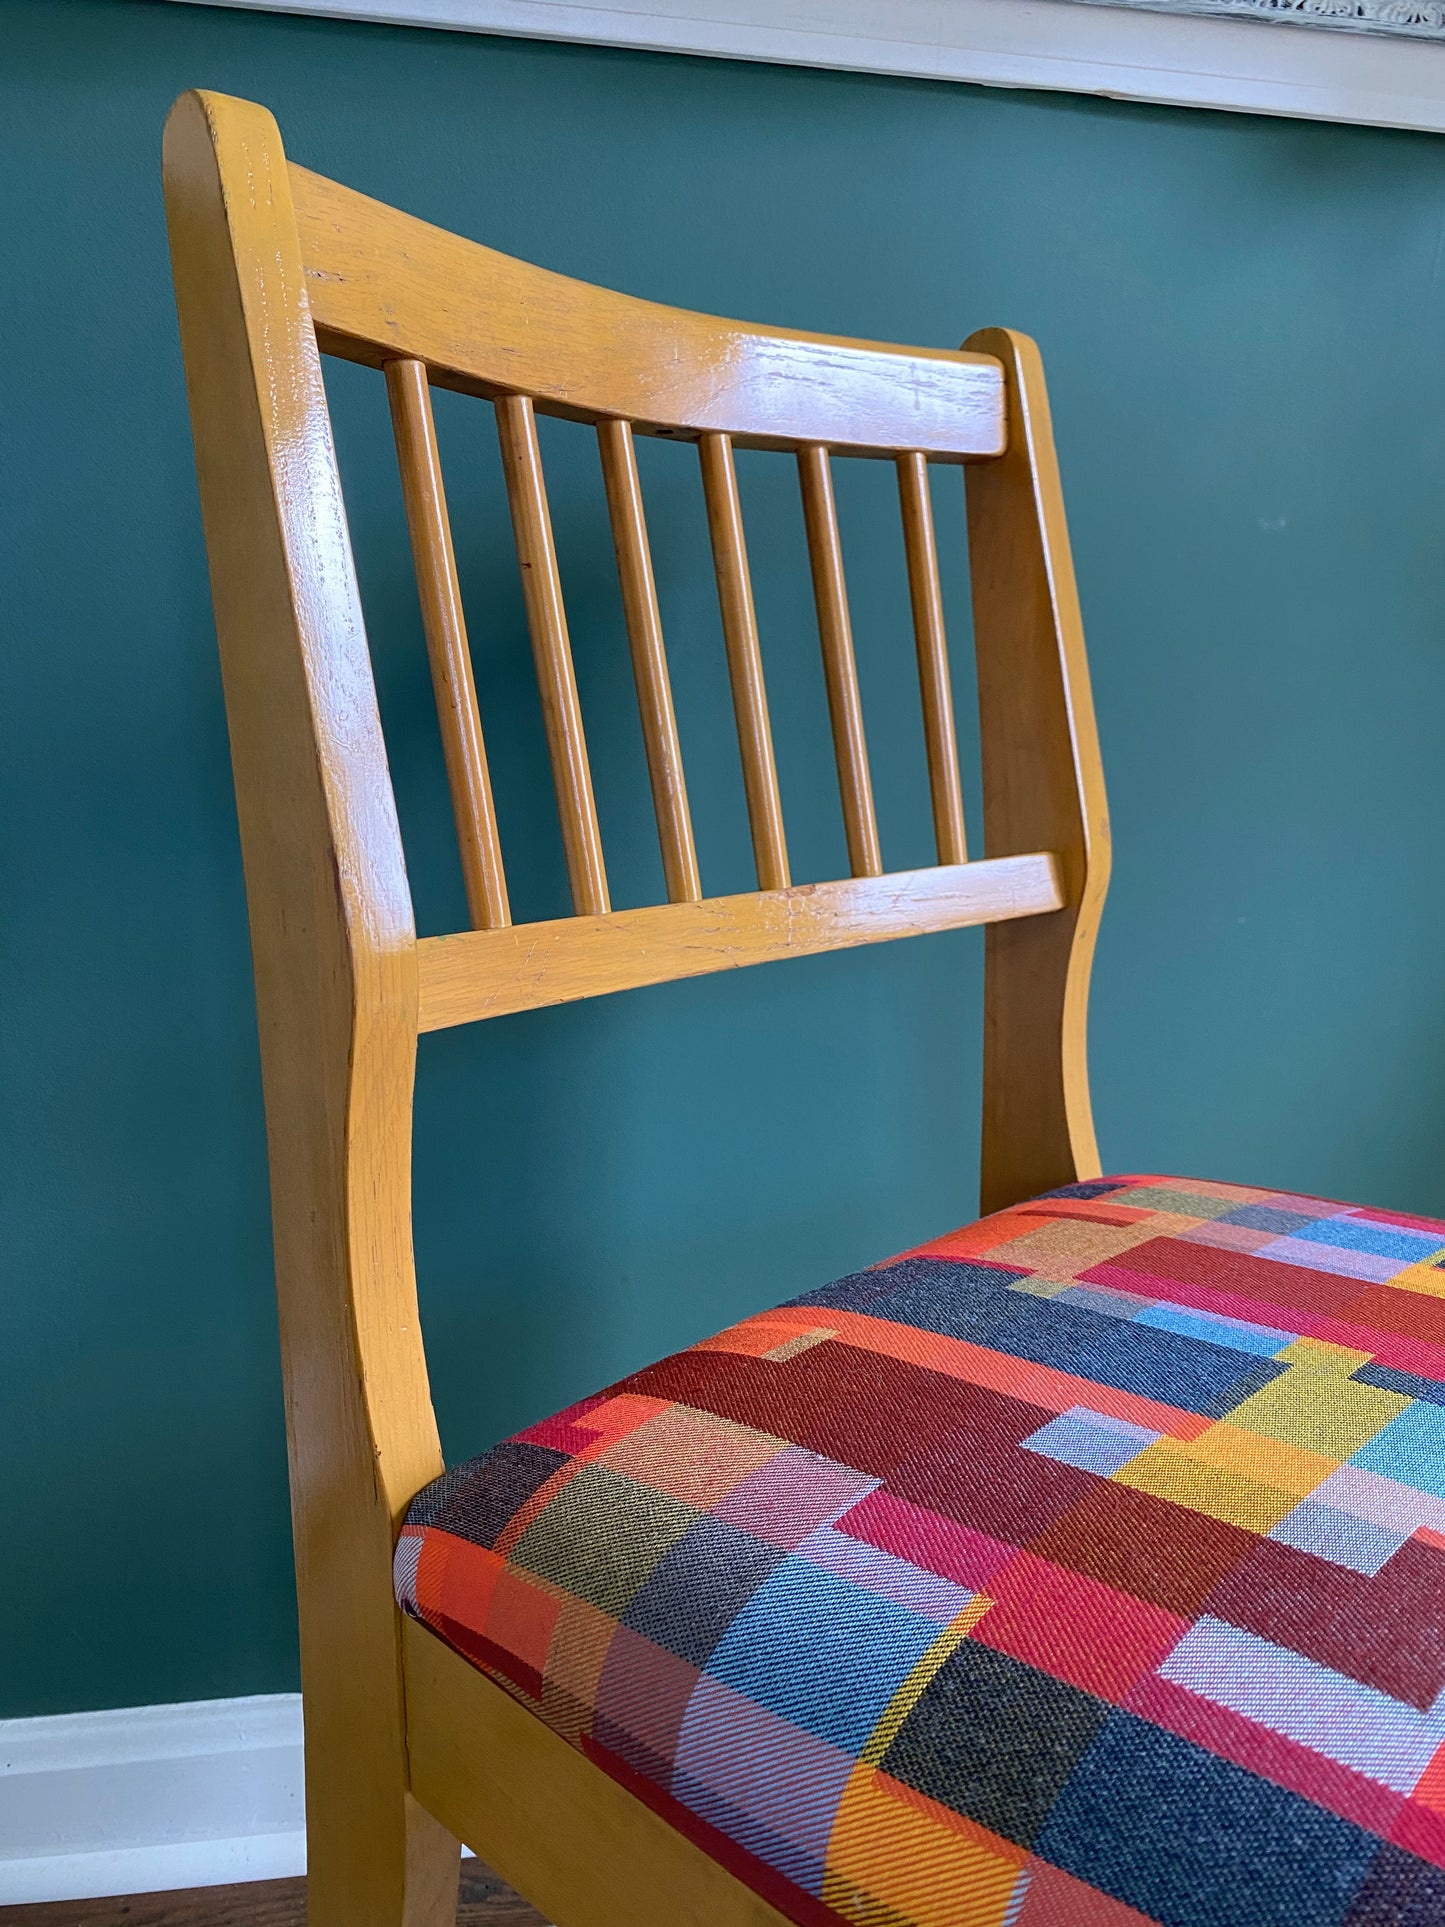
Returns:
(409,1748)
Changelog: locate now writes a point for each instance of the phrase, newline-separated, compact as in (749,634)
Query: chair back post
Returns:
(1043,788)
(334,953)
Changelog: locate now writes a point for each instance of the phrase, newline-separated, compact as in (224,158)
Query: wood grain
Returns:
(649,661)
(488,973)
(445,628)
(385,284)
(934,679)
(840,670)
(484,1901)
(1043,786)
(552,651)
(745,661)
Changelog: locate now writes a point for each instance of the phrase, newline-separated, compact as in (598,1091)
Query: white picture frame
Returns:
(1149,50)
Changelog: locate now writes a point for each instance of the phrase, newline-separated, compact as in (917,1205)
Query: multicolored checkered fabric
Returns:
(1085,1568)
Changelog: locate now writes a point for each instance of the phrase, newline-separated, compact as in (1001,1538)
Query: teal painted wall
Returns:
(1242,321)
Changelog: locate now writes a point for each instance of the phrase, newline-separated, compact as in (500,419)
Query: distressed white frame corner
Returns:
(1181,60)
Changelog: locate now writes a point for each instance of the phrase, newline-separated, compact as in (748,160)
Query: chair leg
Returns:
(374,1856)
(433,1868)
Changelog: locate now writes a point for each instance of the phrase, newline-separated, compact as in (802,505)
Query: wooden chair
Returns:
(408,1747)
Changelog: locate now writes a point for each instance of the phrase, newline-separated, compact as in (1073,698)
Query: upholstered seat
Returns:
(1084,1567)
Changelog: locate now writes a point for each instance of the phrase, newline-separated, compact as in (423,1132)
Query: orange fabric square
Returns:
(892,1857)
(521,1617)
(459,1580)
(1430,1787)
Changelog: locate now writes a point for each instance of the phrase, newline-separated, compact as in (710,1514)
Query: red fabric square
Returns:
(1082,1632)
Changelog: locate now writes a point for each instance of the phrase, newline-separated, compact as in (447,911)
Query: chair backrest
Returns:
(275,265)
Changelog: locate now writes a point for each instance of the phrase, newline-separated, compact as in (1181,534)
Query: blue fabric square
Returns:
(1233,1333)
(982,1309)
(1268,1217)
(694,1593)
(857,1292)
(821,1653)
(1046,1330)
(1380,1240)
(1407,1384)
(1107,1304)
(1180,1371)
(1411,1448)
(946,1291)
(1092,1188)
(1339,1537)
(1192,1840)
(1091,1444)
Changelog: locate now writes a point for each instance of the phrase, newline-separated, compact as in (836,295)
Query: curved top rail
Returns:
(384,284)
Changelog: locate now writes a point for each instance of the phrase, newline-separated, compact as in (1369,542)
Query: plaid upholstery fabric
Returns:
(1085,1568)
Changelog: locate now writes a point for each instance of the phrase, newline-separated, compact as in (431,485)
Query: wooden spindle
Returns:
(556,677)
(845,707)
(934,682)
(649,660)
(446,643)
(745,662)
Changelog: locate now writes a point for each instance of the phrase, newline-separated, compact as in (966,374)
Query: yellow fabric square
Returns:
(1426,1278)
(1165,1472)
(1272,1462)
(801,1342)
(1318,1355)
(1063,1247)
(1320,1411)
(896,1861)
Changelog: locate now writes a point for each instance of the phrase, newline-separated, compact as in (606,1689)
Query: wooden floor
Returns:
(258,1903)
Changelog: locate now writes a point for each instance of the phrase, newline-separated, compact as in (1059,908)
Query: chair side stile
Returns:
(335,963)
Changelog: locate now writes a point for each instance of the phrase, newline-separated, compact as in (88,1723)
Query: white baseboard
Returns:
(146,1798)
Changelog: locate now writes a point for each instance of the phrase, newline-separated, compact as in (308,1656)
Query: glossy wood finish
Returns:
(745,661)
(552,651)
(649,661)
(1043,787)
(840,670)
(446,640)
(489,973)
(405,1755)
(384,284)
(934,679)
(584,1850)
(333,947)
